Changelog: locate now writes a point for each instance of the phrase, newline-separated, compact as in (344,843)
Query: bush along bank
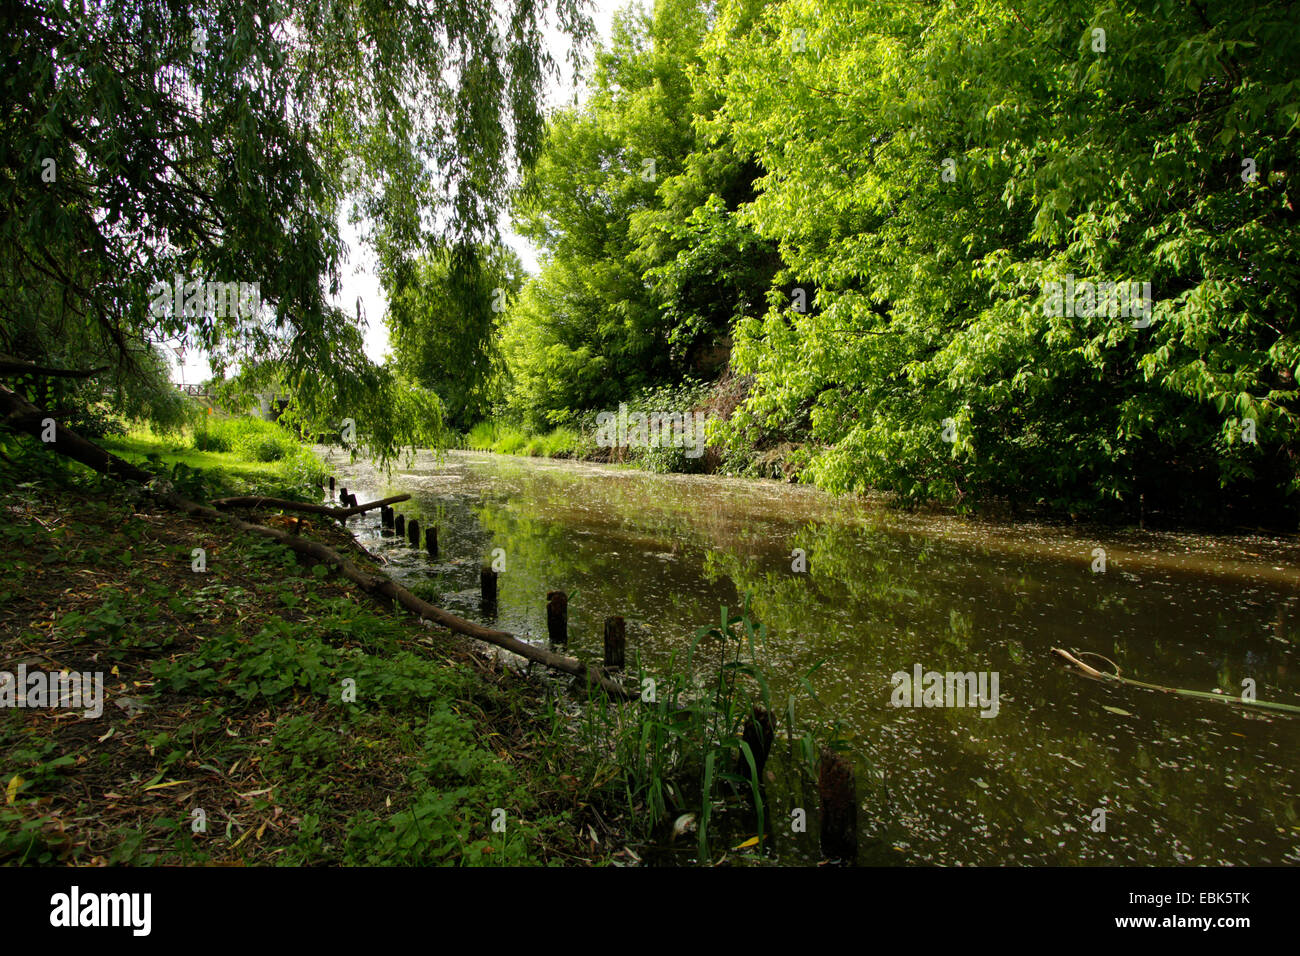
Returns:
(672,429)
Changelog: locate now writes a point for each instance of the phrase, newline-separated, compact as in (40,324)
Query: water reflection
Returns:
(1181,780)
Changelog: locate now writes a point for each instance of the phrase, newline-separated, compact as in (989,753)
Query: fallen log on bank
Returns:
(21,415)
(1091,671)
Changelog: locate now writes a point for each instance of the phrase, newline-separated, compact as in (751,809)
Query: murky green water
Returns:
(1182,780)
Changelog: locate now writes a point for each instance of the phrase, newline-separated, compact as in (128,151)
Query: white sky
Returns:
(360,280)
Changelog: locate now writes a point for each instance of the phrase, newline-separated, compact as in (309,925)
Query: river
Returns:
(878,593)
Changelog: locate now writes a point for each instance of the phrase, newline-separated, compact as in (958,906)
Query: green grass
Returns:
(245,454)
(560,442)
(310,726)
(510,440)
(482,436)
(686,750)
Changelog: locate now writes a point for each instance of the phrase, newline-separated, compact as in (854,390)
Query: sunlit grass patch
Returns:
(247,453)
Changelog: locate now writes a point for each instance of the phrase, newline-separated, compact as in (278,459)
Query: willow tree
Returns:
(443,312)
(159,144)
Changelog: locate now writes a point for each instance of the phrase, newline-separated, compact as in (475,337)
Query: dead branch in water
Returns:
(1181,691)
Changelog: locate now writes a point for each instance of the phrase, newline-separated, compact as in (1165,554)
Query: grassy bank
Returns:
(256,711)
(240,454)
(749,455)
(513,440)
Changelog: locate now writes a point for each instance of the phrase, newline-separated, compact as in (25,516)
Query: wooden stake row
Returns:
(410,530)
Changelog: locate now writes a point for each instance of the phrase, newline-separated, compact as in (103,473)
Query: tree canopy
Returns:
(633,201)
(933,168)
(217,142)
(443,312)
(1039,251)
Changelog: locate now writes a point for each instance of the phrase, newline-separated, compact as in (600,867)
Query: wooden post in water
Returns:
(343,497)
(431,540)
(839,798)
(386,516)
(413,532)
(487,584)
(557,617)
(615,641)
(399,525)
(331,486)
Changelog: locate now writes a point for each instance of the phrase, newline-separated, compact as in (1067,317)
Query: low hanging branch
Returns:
(21,415)
(10,366)
(256,501)
(1184,692)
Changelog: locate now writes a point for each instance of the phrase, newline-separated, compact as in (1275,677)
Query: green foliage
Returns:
(95,421)
(243,669)
(273,118)
(454,782)
(25,834)
(511,442)
(227,455)
(252,439)
(507,440)
(482,436)
(558,443)
(633,199)
(210,439)
(926,293)
(684,399)
(684,751)
(459,787)
(871,199)
(441,317)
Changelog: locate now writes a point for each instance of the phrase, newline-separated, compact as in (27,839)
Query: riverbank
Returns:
(852,593)
(254,710)
(270,648)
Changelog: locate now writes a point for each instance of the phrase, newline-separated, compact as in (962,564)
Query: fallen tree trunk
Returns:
(256,501)
(21,415)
